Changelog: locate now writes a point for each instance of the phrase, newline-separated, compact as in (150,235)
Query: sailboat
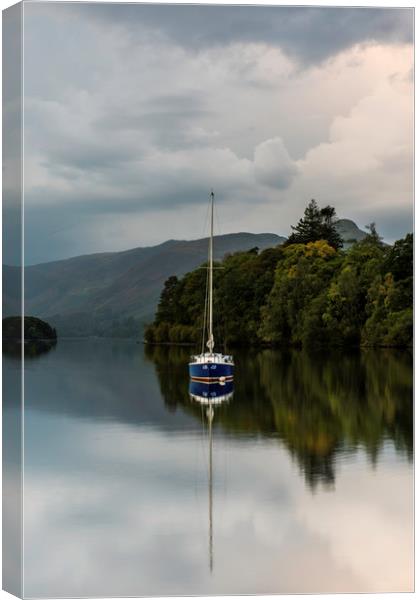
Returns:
(210,366)
(210,395)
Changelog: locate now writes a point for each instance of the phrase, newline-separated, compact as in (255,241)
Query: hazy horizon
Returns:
(191,239)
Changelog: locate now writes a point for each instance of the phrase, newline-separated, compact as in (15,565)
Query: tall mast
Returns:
(210,343)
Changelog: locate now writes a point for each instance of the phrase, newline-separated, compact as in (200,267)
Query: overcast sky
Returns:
(133,112)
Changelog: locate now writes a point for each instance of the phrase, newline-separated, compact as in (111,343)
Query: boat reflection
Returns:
(210,395)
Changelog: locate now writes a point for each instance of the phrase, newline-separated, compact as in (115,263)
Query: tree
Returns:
(290,315)
(328,227)
(316,224)
(345,312)
(390,321)
(399,261)
(373,236)
(167,307)
(390,299)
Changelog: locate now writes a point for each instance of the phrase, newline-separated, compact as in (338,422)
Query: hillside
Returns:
(349,232)
(114,291)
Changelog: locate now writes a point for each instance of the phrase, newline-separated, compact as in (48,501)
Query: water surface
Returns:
(311,474)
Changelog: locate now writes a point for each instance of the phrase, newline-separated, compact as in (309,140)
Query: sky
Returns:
(133,113)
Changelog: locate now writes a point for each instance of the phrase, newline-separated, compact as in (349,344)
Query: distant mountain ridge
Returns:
(107,292)
(350,232)
(91,294)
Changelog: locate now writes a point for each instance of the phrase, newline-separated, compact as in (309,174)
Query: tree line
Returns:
(308,291)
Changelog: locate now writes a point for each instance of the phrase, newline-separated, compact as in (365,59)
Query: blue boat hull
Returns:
(210,371)
(210,391)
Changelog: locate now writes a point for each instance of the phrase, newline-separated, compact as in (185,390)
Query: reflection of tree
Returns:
(320,405)
(327,404)
(33,348)
(171,367)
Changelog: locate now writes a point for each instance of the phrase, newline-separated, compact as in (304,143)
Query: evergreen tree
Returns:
(373,236)
(167,307)
(316,224)
(328,227)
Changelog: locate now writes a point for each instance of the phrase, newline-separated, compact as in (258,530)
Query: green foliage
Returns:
(289,316)
(39,336)
(345,311)
(316,224)
(390,299)
(240,289)
(168,307)
(34,329)
(399,260)
(301,294)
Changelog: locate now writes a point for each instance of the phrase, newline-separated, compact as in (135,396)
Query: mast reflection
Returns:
(210,395)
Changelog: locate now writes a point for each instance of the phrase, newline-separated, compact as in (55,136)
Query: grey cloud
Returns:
(12,54)
(167,129)
(308,34)
(85,157)
(47,232)
(164,107)
(154,105)
(171,118)
(193,101)
(273,165)
(12,135)
(62,229)
(12,234)
(140,195)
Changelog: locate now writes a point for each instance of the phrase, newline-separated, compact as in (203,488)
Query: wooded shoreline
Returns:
(305,292)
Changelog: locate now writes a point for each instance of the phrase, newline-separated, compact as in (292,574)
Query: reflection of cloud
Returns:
(345,524)
(12,521)
(121,510)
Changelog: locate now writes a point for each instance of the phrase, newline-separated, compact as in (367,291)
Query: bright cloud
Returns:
(273,165)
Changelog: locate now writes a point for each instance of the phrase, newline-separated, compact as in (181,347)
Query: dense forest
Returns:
(307,291)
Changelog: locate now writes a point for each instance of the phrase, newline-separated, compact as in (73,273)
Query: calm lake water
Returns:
(312,474)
